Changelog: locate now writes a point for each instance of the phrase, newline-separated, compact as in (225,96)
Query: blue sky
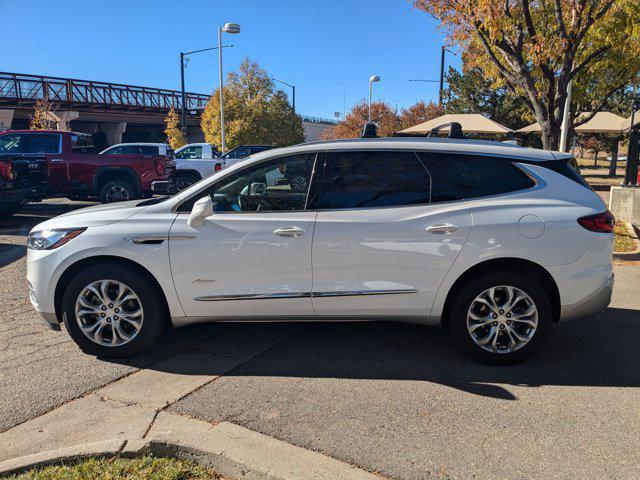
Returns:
(312,44)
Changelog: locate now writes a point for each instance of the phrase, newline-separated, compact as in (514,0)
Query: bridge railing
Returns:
(68,92)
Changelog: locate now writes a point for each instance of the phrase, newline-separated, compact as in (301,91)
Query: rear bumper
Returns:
(591,305)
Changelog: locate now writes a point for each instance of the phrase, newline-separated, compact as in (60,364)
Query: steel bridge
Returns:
(20,90)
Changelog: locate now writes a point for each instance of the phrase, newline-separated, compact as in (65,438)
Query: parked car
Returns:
(194,162)
(23,172)
(138,149)
(621,158)
(491,241)
(243,151)
(76,170)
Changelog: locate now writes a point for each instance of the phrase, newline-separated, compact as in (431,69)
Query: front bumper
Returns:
(591,305)
(160,186)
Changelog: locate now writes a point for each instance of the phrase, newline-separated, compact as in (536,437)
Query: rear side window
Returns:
(148,150)
(480,176)
(44,143)
(569,168)
(373,179)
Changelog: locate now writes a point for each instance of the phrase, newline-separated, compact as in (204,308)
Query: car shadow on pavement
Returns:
(600,351)
(10,252)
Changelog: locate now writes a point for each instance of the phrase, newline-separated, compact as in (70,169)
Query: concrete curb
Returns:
(103,448)
(635,254)
(231,450)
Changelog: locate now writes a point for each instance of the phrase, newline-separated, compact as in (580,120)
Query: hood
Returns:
(93,216)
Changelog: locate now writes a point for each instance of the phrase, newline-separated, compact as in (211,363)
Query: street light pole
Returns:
(293,95)
(184,55)
(228,28)
(344,98)
(184,110)
(372,79)
(441,76)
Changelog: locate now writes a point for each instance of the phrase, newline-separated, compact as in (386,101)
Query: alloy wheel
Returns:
(502,319)
(116,193)
(109,313)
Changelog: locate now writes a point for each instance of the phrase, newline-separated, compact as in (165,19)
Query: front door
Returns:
(388,229)
(252,257)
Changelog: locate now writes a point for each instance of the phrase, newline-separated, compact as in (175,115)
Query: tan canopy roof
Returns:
(602,122)
(626,125)
(471,123)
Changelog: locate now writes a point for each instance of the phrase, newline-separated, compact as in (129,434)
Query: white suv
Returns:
(493,242)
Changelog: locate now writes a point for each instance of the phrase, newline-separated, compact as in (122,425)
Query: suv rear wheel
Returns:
(117,191)
(500,317)
(112,312)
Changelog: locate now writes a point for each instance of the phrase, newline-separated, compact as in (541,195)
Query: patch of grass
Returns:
(623,241)
(143,468)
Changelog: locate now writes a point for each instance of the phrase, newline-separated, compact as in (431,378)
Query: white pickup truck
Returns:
(194,162)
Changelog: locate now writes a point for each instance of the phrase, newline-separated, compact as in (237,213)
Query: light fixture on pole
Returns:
(183,56)
(228,28)
(293,93)
(372,79)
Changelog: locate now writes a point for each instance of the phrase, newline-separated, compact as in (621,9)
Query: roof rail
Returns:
(455,131)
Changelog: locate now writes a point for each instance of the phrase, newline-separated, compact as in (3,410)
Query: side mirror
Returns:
(202,209)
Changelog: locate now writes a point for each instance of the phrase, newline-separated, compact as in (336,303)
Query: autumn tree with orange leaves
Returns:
(535,48)
(419,112)
(352,125)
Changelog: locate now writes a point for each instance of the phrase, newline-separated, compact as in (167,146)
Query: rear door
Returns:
(50,145)
(389,227)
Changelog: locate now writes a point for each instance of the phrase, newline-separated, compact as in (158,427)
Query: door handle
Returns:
(57,160)
(442,228)
(289,231)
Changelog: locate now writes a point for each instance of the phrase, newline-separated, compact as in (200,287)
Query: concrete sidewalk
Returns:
(129,417)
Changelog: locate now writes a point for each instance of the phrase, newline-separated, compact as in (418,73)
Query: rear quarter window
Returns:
(481,176)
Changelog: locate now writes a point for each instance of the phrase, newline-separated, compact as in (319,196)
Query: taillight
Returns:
(600,222)
(159,164)
(7,171)
(218,167)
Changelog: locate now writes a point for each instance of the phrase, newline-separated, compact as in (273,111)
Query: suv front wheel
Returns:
(500,317)
(111,311)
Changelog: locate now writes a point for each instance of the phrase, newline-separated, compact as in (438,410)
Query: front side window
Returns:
(279,184)
(82,144)
(480,176)
(190,153)
(364,179)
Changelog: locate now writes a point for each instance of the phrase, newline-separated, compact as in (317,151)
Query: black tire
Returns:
(467,294)
(117,191)
(184,180)
(298,182)
(154,320)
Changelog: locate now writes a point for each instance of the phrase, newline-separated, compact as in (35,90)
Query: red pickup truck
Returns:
(76,170)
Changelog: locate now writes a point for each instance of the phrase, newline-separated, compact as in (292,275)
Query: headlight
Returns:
(50,239)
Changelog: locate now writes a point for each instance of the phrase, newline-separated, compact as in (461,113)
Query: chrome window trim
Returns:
(269,296)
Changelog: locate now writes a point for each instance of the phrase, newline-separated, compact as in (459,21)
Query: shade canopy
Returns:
(470,122)
(602,122)
(626,125)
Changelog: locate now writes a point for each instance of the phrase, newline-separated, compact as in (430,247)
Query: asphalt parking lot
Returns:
(392,398)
